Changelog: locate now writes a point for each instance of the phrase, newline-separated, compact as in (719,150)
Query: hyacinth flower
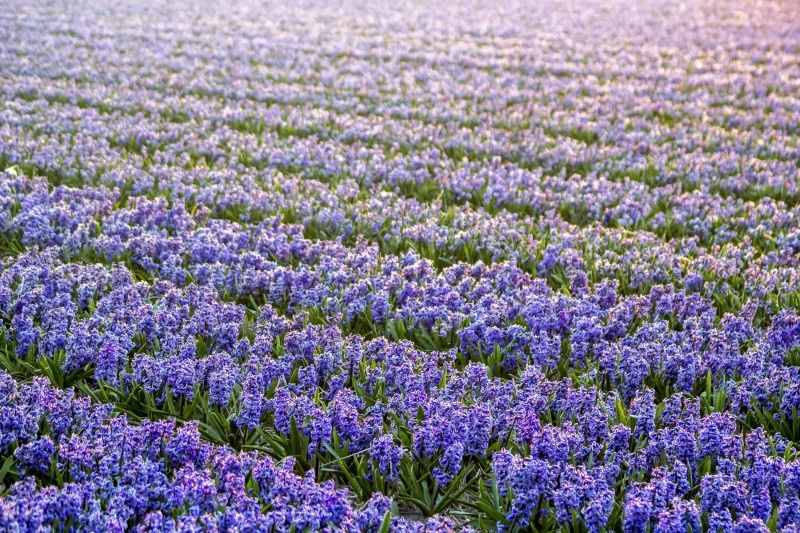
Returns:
(377,267)
(100,471)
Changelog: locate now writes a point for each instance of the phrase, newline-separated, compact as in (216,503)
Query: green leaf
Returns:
(7,465)
(387,520)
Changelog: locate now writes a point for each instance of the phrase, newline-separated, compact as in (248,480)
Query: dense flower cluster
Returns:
(104,474)
(400,267)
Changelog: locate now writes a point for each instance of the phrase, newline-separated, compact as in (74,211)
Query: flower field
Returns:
(396,266)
